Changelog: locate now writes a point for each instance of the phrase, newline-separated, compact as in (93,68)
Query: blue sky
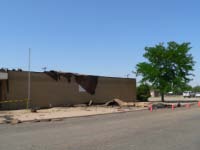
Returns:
(100,37)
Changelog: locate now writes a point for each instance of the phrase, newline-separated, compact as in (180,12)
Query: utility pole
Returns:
(29,79)
(127,75)
(44,69)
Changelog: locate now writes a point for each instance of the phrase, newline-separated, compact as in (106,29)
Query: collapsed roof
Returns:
(89,83)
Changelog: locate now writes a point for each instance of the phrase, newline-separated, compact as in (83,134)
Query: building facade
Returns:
(53,89)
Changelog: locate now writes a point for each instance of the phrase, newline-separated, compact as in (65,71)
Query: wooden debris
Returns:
(142,104)
(119,103)
(90,103)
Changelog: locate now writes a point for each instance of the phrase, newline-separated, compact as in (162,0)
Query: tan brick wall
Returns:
(45,91)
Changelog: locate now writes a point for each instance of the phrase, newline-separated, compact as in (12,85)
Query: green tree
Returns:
(167,67)
(196,89)
(181,89)
(143,92)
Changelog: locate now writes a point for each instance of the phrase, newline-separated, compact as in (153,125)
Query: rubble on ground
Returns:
(120,103)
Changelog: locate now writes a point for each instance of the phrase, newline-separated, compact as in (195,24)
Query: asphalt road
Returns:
(141,130)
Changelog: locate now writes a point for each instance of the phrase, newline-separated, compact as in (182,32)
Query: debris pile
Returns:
(120,103)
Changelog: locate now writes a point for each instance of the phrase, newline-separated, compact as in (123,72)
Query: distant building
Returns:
(154,93)
(51,89)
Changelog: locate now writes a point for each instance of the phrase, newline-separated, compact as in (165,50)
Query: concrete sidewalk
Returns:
(174,98)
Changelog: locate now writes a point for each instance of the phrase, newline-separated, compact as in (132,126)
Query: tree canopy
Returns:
(167,67)
(196,89)
(143,92)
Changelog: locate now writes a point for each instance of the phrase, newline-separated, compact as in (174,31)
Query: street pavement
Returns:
(140,130)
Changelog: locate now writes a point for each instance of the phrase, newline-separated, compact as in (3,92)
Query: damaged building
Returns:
(53,89)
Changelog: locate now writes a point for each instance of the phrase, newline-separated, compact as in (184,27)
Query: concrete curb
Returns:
(63,118)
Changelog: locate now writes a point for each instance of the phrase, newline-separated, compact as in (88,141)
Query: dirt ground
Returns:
(60,112)
(16,116)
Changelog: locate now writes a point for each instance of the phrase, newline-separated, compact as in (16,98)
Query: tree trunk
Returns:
(162,97)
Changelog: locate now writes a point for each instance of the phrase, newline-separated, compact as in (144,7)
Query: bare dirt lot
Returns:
(60,112)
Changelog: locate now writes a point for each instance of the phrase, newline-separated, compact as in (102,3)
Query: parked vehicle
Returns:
(197,94)
(188,94)
(170,93)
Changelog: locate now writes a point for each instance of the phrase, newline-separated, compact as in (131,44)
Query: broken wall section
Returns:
(89,83)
